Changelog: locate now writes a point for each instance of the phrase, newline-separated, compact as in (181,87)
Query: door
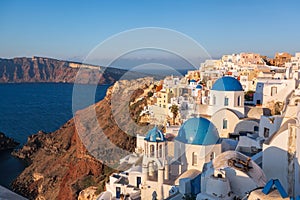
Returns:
(138,181)
(258,102)
(118,192)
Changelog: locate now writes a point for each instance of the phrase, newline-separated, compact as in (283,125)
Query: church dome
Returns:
(227,83)
(155,135)
(198,131)
(199,87)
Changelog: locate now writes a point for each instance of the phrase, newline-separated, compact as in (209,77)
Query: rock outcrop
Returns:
(39,69)
(6,142)
(89,193)
(57,163)
(77,156)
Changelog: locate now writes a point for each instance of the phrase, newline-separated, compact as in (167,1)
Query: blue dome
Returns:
(227,83)
(199,86)
(198,131)
(155,135)
(193,81)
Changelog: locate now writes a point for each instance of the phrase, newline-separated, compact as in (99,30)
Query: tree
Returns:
(249,95)
(278,108)
(174,110)
(150,94)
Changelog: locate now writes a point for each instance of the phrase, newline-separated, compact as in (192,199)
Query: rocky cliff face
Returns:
(38,69)
(65,162)
(58,162)
(6,142)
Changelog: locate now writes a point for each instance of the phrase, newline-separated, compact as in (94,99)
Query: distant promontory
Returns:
(41,69)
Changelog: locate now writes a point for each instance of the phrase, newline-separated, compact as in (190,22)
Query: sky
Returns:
(71,29)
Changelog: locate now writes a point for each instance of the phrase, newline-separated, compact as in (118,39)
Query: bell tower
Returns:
(155,167)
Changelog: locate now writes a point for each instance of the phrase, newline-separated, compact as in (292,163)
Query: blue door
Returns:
(118,192)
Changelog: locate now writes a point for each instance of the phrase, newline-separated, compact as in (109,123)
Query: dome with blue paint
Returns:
(227,83)
(199,87)
(193,81)
(198,131)
(155,135)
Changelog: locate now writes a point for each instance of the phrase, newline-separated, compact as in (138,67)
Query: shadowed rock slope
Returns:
(76,156)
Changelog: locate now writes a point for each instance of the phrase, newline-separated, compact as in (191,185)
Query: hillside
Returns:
(74,157)
(39,69)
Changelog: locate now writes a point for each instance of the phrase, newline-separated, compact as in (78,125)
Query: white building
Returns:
(281,150)
(125,183)
(295,62)
(273,90)
(226,120)
(226,92)
(231,175)
(155,166)
(246,84)
(197,142)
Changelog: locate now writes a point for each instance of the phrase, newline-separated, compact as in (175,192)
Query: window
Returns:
(179,155)
(160,151)
(212,155)
(151,150)
(194,159)
(266,132)
(224,123)
(214,100)
(226,101)
(256,128)
(273,90)
(239,100)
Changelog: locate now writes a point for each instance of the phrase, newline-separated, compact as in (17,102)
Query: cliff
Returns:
(39,69)
(6,142)
(65,162)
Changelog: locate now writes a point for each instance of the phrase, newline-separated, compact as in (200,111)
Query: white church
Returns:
(197,143)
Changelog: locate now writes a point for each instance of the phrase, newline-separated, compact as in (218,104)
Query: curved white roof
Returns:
(256,173)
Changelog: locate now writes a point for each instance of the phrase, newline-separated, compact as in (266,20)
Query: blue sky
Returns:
(71,29)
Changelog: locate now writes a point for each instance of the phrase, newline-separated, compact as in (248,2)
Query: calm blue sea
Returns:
(26,108)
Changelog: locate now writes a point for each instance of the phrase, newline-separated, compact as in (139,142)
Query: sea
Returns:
(26,108)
